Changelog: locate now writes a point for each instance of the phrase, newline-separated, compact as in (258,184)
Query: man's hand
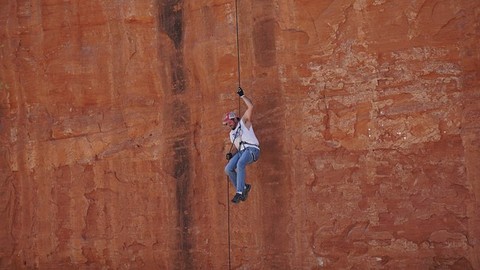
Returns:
(240,92)
(229,156)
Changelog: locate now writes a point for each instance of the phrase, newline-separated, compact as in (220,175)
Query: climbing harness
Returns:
(243,143)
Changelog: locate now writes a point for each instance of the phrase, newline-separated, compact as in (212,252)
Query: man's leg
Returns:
(255,155)
(230,169)
(244,159)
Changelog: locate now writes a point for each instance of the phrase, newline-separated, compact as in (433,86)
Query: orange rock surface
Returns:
(368,114)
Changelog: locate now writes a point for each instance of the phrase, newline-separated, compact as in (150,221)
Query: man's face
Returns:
(231,123)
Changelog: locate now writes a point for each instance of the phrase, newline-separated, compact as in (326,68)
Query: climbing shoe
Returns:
(245,192)
(238,197)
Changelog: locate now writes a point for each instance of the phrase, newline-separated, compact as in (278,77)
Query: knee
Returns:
(241,164)
(227,170)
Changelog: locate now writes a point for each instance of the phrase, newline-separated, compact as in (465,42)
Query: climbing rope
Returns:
(228,222)
(239,113)
(238,44)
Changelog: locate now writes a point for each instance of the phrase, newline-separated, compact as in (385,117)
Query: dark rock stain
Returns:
(180,124)
(181,173)
(178,77)
(264,43)
(171,22)
(181,161)
(180,116)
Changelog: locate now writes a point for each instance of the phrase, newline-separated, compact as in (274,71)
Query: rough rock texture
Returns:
(368,113)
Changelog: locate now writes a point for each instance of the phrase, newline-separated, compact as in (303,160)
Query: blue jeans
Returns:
(235,168)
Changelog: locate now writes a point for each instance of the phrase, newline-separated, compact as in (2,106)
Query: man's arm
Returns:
(247,116)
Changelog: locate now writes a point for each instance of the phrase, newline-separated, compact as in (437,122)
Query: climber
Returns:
(247,148)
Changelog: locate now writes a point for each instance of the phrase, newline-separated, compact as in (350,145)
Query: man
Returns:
(247,146)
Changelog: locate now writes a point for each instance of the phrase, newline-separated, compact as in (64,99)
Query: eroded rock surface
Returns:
(368,113)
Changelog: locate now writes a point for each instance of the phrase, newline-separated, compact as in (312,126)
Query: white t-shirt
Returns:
(243,134)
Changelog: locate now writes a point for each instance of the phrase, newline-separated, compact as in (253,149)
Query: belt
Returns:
(249,145)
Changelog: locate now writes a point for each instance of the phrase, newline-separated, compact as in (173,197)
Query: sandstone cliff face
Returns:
(112,150)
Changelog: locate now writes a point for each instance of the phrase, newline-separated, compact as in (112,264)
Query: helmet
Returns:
(229,117)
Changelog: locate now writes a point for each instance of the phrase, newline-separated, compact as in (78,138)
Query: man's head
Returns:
(230,119)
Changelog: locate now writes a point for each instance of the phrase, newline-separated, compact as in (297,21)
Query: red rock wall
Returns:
(112,150)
